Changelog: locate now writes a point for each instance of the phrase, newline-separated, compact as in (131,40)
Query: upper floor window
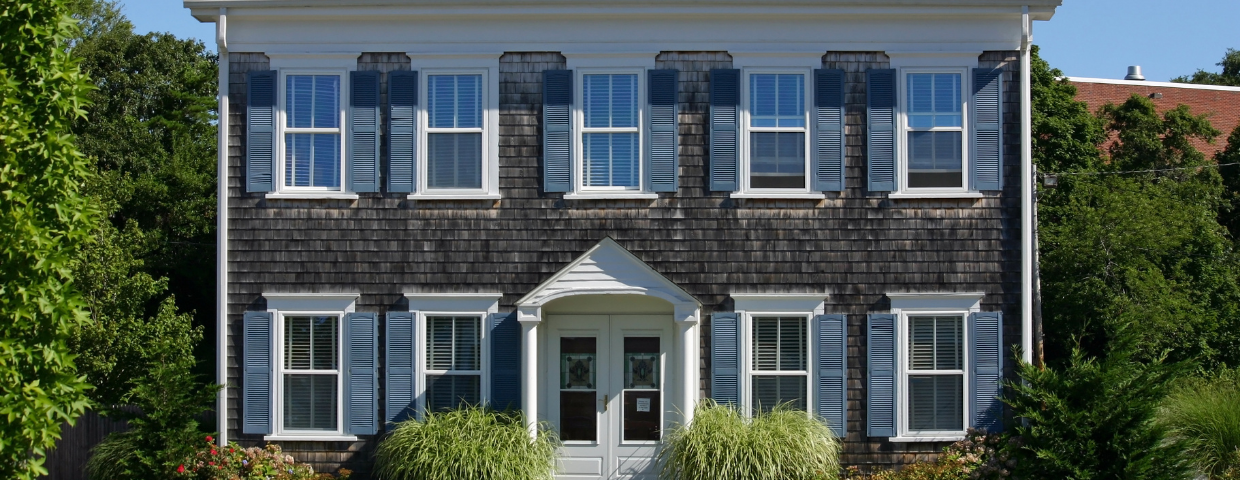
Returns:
(934,131)
(610,132)
(454,132)
(777,131)
(313,146)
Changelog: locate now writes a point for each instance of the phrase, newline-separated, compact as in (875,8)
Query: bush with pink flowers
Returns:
(212,462)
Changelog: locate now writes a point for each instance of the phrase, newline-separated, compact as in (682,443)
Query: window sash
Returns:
(425,129)
(581,173)
(749,373)
(283,128)
(280,389)
(904,365)
(906,127)
(745,140)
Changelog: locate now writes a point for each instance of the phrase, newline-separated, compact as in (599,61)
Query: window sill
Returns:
(463,196)
(310,438)
(951,195)
(947,438)
(781,196)
(312,196)
(611,196)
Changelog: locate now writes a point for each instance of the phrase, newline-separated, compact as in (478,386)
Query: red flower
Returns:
(210,463)
(181,469)
(210,439)
(213,451)
(231,450)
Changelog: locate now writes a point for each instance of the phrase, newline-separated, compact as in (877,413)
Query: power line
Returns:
(1044,174)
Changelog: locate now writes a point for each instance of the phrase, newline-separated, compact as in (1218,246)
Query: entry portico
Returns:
(608,302)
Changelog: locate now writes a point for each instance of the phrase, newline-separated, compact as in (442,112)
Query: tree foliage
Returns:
(45,217)
(1229,76)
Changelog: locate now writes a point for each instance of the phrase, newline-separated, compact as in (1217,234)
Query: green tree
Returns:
(45,218)
(1229,76)
(1065,134)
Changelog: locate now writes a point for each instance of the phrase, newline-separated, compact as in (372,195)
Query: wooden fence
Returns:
(68,460)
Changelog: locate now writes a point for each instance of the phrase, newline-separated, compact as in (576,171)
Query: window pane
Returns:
(454,101)
(936,402)
(768,391)
(446,392)
(452,343)
(777,160)
(779,343)
(934,100)
(609,100)
(454,160)
(611,160)
(312,101)
(777,100)
(936,343)
(310,402)
(578,388)
(312,160)
(310,343)
(935,160)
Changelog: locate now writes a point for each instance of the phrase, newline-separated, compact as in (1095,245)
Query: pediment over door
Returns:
(609,269)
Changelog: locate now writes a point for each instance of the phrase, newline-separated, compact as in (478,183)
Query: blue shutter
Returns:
(260,131)
(361,395)
(881,111)
(664,166)
(832,365)
(256,378)
(401,366)
(557,130)
(363,136)
(505,361)
(725,101)
(987,377)
(725,380)
(402,131)
(987,129)
(881,391)
(828,158)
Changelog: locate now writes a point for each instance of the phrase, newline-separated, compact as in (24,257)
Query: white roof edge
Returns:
(309,295)
(1141,83)
(453,295)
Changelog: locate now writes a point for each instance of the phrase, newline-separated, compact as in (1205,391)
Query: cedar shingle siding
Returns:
(855,246)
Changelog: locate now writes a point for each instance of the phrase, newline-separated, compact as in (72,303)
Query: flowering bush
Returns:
(978,457)
(211,462)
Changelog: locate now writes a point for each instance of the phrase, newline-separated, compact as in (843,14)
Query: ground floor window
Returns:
(310,373)
(778,371)
(934,377)
(453,361)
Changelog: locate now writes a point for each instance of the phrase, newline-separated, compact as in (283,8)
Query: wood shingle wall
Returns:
(854,246)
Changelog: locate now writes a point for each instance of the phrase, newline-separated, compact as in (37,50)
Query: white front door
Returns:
(606,392)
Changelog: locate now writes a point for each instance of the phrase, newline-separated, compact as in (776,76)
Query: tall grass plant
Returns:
(722,444)
(470,442)
(1202,417)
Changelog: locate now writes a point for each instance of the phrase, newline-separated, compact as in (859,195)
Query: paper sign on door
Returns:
(643,404)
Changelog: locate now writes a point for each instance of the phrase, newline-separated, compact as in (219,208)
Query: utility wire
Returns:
(1139,171)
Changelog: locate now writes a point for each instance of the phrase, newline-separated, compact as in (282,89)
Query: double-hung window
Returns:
(777,125)
(779,372)
(933,376)
(934,136)
(455,132)
(453,361)
(610,135)
(312,134)
(308,376)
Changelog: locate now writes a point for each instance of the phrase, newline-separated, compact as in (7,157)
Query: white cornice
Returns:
(477,296)
(324,296)
(1136,83)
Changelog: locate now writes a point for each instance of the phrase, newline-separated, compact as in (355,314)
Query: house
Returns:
(601,213)
(1219,103)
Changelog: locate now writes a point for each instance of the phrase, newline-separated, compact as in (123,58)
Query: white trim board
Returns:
(1142,83)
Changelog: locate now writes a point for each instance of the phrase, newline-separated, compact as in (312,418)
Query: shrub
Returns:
(209,462)
(720,443)
(978,457)
(1202,417)
(470,442)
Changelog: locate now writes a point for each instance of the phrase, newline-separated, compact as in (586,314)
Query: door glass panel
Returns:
(578,388)
(642,396)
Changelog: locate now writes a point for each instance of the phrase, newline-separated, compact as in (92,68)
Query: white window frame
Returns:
(279,372)
(965,129)
(748,306)
(743,143)
(934,304)
(481,305)
(487,65)
(282,129)
(579,187)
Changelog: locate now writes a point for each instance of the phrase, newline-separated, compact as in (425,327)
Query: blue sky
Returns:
(1087,38)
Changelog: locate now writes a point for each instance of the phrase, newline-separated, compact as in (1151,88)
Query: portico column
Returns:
(687,348)
(529,318)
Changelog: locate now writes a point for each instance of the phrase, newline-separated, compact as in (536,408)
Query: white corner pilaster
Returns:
(687,315)
(529,318)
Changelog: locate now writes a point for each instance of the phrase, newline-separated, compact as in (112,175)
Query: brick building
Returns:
(1221,104)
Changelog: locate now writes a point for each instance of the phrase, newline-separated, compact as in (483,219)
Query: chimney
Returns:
(1134,73)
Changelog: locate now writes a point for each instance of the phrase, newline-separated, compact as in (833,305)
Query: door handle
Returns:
(604,402)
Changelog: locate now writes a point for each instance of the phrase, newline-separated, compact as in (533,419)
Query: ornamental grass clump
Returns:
(720,443)
(1202,418)
(470,442)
